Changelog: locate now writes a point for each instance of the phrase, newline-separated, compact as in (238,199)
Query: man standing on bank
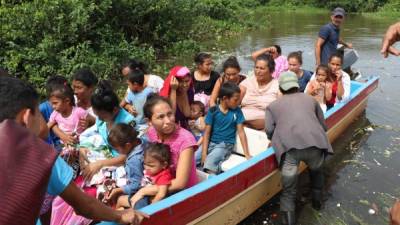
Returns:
(329,38)
(295,125)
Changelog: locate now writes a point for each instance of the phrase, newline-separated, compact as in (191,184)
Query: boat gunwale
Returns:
(218,179)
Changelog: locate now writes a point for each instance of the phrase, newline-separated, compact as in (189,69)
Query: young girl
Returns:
(197,124)
(157,173)
(320,87)
(123,137)
(222,123)
(65,115)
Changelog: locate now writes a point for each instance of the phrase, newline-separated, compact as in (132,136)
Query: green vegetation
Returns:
(44,37)
(40,38)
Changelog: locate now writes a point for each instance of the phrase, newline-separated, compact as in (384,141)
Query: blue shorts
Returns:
(217,154)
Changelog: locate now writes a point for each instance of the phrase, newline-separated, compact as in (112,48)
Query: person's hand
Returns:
(392,35)
(69,139)
(90,170)
(130,216)
(322,85)
(174,83)
(247,156)
(135,198)
(272,50)
(349,45)
(114,194)
(192,124)
(339,75)
(83,123)
(394,214)
(131,110)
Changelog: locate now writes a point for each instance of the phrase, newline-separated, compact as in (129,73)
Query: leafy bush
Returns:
(40,38)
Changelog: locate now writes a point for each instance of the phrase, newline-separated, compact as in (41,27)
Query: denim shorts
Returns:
(217,154)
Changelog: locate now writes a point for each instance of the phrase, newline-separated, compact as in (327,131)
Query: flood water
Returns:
(364,173)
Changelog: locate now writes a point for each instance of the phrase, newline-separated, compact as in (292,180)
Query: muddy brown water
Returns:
(364,173)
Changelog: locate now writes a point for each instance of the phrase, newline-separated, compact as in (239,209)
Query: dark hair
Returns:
(269,60)
(297,55)
(54,81)
(3,72)
(336,55)
(278,49)
(201,105)
(136,76)
(231,62)
(63,91)
(201,57)
(161,152)
(133,64)
(151,102)
(122,133)
(86,76)
(228,89)
(290,91)
(16,95)
(326,69)
(104,98)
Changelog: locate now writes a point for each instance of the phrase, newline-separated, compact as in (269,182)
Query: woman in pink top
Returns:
(259,91)
(158,111)
(281,62)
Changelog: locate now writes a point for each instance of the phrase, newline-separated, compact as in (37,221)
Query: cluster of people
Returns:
(127,154)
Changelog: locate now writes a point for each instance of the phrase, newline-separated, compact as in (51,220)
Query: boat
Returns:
(233,195)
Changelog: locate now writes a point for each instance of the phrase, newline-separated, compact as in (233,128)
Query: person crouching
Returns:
(296,127)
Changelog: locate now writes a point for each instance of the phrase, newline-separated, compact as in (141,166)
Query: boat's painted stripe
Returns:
(209,183)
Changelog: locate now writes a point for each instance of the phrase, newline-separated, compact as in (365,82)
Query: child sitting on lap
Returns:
(124,139)
(157,174)
(320,87)
(197,124)
(222,123)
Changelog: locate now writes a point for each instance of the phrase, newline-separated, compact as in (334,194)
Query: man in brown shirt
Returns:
(295,125)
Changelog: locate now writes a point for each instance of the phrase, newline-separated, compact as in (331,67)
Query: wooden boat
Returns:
(233,195)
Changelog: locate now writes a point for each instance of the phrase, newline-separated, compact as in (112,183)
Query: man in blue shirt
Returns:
(20,104)
(329,38)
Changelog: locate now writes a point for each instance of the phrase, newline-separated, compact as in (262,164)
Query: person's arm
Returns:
(202,124)
(89,170)
(44,130)
(347,45)
(162,192)
(269,123)
(65,138)
(243,140)
(392,35)
(318,46)
(255,54)
(206,141)
(183,170)
(184,104)
(214,93)
(89,207)
(172,94)
(340,88)
(328,91)
(394,215)
(243,90)
(135,176)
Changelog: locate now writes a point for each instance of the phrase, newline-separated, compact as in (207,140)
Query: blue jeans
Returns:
(217,153)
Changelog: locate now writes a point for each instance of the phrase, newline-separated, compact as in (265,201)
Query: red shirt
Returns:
(334,90)
(162,178)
